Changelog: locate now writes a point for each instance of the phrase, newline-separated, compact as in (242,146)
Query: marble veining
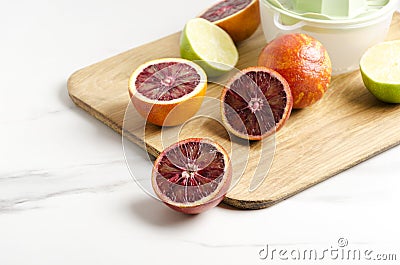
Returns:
(30,186)
(67,196)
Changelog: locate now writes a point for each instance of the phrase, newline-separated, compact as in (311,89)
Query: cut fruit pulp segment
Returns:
(380,70)
(382,62)
(167,91)
(208,45)
(257,102)
(192,175)
(224,9)
(239,18)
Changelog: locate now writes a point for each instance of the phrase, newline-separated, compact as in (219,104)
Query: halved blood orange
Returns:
(256,103)
(168,91)
(240,18)
(192,175)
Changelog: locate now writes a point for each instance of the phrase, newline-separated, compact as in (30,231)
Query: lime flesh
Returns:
(380,71)
(209,46)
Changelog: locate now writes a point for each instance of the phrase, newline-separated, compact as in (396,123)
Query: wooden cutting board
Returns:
(346,127)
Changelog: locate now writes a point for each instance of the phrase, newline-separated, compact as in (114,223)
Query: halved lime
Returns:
(380,71)
(209,45)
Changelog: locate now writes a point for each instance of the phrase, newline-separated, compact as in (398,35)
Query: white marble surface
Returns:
(66,196)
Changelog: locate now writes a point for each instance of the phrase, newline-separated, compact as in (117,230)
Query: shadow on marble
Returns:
(155,213)
(64,98)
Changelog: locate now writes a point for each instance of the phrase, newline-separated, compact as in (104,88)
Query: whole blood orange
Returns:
(305,64)
(192,175)
(256,103)
(240,18)
(168,91)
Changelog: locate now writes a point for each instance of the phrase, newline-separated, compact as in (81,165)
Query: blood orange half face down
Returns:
(192,175)
(256,103)
(170,88)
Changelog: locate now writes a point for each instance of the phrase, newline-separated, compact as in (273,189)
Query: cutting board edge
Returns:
(83,74)
(262,204)
(237,203)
